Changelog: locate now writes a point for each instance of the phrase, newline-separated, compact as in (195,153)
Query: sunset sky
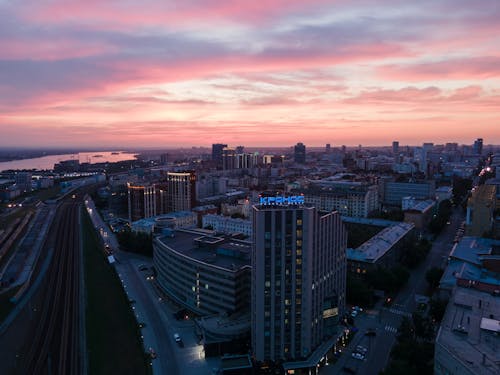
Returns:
(160,73)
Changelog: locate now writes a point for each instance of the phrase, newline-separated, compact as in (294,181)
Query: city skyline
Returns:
(163,74)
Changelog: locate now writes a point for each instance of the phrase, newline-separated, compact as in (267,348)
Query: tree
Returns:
(437,308)
(433,277)
(358,292)
(141,243)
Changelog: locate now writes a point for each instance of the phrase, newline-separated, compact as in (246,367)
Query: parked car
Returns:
(178,340)
(358,356)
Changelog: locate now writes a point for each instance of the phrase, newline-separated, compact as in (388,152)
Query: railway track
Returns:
(55,346)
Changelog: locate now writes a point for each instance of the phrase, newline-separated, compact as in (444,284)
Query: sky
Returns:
(151,73)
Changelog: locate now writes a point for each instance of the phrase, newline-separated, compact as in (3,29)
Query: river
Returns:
(47,162)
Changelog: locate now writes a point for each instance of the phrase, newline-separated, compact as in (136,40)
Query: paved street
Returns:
(387,320)
(156,313)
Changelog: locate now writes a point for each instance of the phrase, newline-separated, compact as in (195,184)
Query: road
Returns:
(387,320)
(154,311)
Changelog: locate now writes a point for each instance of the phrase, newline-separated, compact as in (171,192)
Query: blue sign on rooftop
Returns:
(282,200)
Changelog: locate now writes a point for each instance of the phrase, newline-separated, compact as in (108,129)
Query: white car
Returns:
(361,349)
(354,313)
(358,356)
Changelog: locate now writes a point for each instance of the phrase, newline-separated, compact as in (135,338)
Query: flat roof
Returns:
(381,243)
(465,330)
(422,206)
(186,242)
(492,325)
(235,362)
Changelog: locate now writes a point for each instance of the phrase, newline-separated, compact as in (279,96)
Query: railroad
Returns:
(55,346)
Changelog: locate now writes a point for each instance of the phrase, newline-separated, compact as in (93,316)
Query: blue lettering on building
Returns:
(282,200)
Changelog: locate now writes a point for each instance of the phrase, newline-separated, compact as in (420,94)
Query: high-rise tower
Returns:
(298,278)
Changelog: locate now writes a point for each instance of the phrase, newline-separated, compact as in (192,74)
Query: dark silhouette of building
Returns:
(300,153)
(217,153)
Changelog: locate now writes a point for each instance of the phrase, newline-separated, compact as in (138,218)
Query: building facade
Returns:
(205,274)
(299,153)
(352,199)
(181,191)
(298,280)
(142,201)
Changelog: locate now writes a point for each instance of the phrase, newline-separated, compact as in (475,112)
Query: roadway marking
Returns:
(391,329)
(399,312)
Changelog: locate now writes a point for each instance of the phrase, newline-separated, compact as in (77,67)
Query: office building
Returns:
(298,282)
(328,148)
(217,153)
(181,191)
(395,147)
(300,153)
(142,201)
(228,159)
(392,193)
(203,273)
(349,198)
(478,146)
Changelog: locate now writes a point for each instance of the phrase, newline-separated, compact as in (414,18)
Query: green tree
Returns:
(433,276)
(358,292)
(437,308)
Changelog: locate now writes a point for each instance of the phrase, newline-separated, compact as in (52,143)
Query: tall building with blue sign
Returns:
(298,280)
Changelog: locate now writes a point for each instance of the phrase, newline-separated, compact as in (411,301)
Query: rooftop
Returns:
(466,262)
(469,333)
(220,252)
(422,206)
(381,243)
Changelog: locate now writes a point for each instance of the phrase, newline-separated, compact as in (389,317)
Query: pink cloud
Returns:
(481,67)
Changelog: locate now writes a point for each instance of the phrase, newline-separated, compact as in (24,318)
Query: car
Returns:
(358,356)
(142,325)
(178,340)
(349,370)
(354,313)
(361,349)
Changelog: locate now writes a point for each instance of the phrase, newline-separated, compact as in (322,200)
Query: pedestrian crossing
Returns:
(391,329)
(399,312)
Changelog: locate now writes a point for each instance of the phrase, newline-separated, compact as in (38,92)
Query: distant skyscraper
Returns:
(300,153)
(217,153)
(228,158)
(328,148)
(181,191)
(240,149)
(298,280)
(478,146)
(163,159)
(395,147)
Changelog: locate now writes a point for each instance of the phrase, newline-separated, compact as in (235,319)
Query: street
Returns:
(154,312)
(387,320)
